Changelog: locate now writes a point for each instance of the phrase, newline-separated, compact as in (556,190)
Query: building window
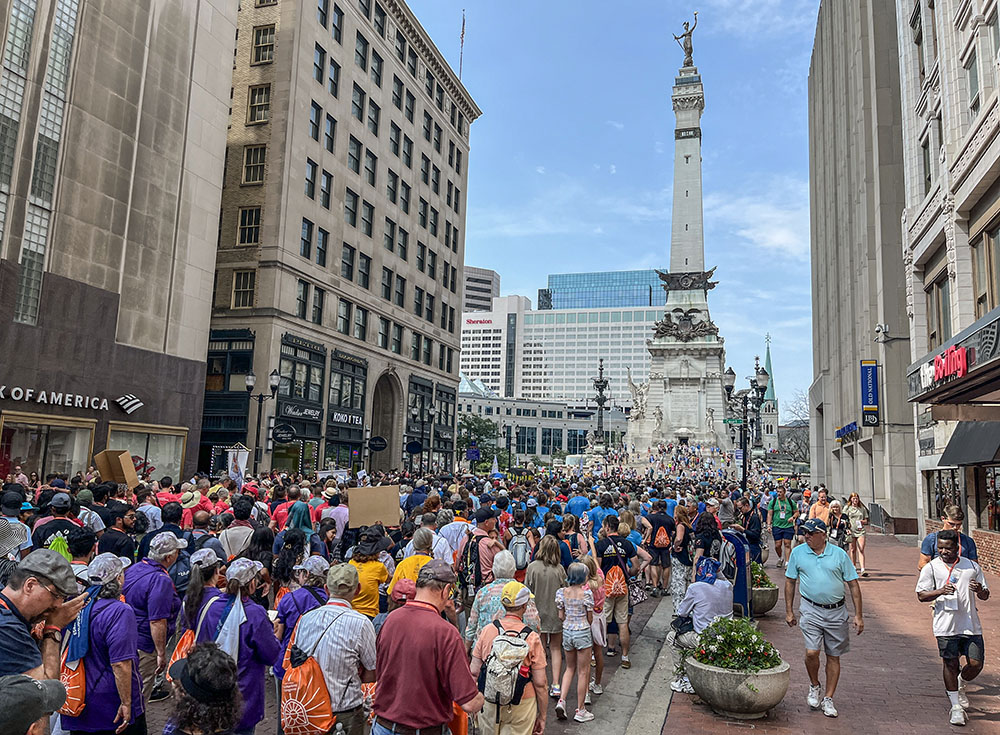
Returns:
(361,52)
(317,311)
(434,222)
(358,103)
(337,28)
(329,133)
(427,127)
(333,83)
(429,308)
(389,235)
(404,197)
(319,63)
(938,312)
(392,186)
(376,69)
(263,45)
(383,332)
(432,264)
(322,243)
(299,379)
(344,317)
(364,271)
(249,226)
(397,92)
(244,283)
(379,20)
(421,256)
(374,112)
(439,98)
(311,170)
(986,272)
(322,10)
(258,103)
(436,180)
(302,299)
(394,133)
(366,8)
(354,155)
(437,137)
(415,346)
(407,152)
(411,102)
(418,301)
(411,62)
(428,348)
(315,115)
(397,339)
(402,243)
(386,284)
(254,158)
(972,76)
(305,239)
(422,213)
(925,152)
(367,218)
(425,168)
(360,323)
(400,291)
(325,187)
(351,208)
(347,262)
(371,165)
(400,46)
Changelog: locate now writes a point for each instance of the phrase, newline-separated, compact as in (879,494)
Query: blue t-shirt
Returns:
(18,651)
(578,505)
(821,576)
(597,516)
(671,506)
(928,546)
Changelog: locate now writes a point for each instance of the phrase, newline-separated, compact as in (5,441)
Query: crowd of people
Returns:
(210,592)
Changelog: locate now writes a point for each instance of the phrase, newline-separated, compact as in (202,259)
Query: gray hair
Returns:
(504,565)
(444,517)
(423,539)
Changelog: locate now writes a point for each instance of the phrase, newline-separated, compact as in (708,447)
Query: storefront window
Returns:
(944,487)
(987,501)
(152,453)
(299,456)
(45,448)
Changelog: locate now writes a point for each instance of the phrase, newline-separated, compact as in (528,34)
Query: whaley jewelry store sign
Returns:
(46,397)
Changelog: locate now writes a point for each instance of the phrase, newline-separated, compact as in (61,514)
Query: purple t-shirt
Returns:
(258,650)
(208,593)
(292,607)
(113,639)
(150,591)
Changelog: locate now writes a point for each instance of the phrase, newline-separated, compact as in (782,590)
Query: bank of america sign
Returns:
(128,403)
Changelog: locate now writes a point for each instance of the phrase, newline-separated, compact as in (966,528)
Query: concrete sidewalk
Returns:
(891,679)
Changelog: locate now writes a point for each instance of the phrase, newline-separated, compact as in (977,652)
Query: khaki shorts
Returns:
(616,608)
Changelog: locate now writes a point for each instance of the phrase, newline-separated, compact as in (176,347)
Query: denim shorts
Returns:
(575,640)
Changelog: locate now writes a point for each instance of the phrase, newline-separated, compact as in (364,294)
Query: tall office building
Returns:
(112,139)
(482,285)
(342,237)
(856,192)
(553,354)
(607,289)
(951,259)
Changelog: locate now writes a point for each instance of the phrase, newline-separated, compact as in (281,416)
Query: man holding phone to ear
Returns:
(953,583)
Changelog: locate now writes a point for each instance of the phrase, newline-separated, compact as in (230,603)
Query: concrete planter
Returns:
(764,600)
(738,694)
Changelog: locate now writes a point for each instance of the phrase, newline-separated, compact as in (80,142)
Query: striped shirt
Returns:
(346,641)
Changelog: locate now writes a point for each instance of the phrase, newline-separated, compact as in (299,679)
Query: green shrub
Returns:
(734,643)
(759,576)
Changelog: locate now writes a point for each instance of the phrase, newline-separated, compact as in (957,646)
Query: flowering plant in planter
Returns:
(759,577)
(735,643)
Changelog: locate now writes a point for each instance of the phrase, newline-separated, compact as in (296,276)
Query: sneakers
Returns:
(554,691)
(682,685)
(829,710)
(586,699)
(610,652)
(958,716)
(780,564)
(813,699)
(863,573)
(583,715)
(561,709)
(159,694)
(963,698)
(626,663)
(596,688)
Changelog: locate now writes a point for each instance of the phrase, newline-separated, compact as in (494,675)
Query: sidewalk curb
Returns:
(646,718)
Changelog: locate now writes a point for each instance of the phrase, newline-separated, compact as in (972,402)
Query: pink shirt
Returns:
(486,553)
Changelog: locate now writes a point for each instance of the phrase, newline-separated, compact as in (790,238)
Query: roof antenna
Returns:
(461,51)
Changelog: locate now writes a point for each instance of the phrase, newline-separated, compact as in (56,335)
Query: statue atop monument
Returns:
(684,41)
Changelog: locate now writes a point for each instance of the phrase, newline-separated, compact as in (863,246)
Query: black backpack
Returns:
(470,572)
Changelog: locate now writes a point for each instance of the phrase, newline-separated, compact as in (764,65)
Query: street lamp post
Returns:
(509,429)
(273,381)
(751,398)
(431,412)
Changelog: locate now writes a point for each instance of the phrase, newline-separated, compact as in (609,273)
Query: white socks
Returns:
(953,696)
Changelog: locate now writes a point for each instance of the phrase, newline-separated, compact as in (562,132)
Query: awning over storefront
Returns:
(974,442)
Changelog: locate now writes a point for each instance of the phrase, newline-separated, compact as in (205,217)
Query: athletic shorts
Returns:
(576,640)
(825,630)
(660,557)
(954,646)
(779,534)
(616,608)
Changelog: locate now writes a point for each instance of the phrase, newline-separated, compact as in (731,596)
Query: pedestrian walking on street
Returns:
(952,518)
(575,603)
(680,561)
(953,583)
(857,518)
(781,517)
(544,576)
(821,570)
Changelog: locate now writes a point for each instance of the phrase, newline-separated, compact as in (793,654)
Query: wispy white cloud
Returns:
(759,18)
(612,169)
(540,170)
(615,124)
(773,217)
(658,147)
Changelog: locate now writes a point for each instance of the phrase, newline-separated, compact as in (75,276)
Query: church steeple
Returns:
(769,394)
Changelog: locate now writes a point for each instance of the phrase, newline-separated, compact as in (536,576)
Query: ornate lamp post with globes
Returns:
(273,381)
(751,399)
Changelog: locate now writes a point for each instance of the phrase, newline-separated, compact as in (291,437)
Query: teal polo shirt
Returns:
(821,576)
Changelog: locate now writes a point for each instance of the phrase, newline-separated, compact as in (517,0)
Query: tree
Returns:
(793,434)
(475,428)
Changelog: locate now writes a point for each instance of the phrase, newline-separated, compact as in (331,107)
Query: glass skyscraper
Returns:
(609,289)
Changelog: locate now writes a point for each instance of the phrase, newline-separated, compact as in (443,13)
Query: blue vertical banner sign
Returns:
(870,408)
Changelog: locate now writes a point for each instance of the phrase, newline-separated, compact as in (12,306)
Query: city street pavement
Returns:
(891,679)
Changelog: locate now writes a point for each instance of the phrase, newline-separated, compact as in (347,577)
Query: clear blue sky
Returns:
(571,162)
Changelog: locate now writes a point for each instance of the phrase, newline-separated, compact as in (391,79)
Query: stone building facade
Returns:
(342,237)
(112,141)
(856,194)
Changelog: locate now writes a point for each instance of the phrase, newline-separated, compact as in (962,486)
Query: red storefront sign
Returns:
(953,363)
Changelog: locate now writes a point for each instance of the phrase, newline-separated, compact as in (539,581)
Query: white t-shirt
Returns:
(705,602)
(954,614)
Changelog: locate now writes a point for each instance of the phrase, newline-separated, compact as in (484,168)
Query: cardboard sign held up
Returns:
(116,465)
(375,505)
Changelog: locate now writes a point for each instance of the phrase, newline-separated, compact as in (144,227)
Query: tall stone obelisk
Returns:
(684,401)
